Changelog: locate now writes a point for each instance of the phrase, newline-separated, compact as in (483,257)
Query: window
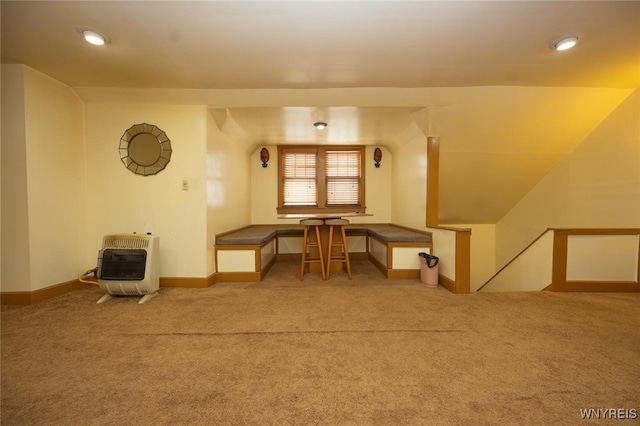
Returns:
(343,178)
(299,179)
(320,179)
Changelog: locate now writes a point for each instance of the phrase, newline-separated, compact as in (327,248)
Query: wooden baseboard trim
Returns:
(596,287)
(187,282)
(288,257)
(403,274)
(235,277)
(395,274)
(358,255)
(448,284)
(33,297)
(379,265)
(295,257)
(266,268)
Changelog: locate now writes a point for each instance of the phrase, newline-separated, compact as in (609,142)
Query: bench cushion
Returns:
(254,235)
(260,234)
(291,230)
(356,230)
(389,234)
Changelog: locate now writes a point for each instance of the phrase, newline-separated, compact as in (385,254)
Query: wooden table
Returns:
(324,235)
(322,215)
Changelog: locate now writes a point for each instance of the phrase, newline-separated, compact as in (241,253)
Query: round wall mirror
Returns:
(145,149)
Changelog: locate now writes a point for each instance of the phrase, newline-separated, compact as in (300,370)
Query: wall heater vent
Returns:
(128,266)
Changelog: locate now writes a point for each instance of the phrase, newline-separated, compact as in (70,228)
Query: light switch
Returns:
(185,184)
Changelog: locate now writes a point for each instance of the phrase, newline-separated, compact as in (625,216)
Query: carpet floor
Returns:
(367,351)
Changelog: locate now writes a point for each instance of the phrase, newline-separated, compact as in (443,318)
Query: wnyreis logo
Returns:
(609,413)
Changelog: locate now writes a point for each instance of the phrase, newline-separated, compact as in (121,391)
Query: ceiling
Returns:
(379,72)
(326,44)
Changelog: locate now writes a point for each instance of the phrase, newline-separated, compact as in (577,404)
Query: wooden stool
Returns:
(344,255)
(306,243)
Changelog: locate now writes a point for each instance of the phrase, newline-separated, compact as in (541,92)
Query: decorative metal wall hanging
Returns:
(145,149)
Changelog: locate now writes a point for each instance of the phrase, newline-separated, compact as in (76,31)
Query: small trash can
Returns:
(429,271)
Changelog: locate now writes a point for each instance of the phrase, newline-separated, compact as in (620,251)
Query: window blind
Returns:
(343,177)
(299,179)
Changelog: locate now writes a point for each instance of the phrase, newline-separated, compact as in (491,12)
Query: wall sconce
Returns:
(377,157)
(264,157)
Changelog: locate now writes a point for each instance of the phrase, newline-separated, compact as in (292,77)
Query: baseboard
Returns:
(295,257)
(288,257)
(358,255)
(379,265)
(187,282)
(596,286)
(33,297)
(447,283)
(235,277)
(403,274)
(395,274)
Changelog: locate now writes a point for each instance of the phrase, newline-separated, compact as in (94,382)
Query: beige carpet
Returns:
(367,351)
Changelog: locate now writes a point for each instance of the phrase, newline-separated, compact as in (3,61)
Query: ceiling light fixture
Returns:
(320,125)
(566,42)
(92,36)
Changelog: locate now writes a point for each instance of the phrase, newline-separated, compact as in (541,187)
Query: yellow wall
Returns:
(64,186)
(54,129)
(228,186)
(119,201)
(48,187)
(409,184)
(15,269)
(264,188)
(379,189)
(596,186)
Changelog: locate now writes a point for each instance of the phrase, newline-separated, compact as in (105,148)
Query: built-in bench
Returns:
(394,249)
(246,254)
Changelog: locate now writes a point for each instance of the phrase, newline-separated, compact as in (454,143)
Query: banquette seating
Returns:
(247,253)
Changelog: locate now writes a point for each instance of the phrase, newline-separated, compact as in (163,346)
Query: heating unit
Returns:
(128,266)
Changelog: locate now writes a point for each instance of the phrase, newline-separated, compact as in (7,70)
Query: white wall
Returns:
(596,186)
(602,258)
(444,247)
(119,201)
(228,186)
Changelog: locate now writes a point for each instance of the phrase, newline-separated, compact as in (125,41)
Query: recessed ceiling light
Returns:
(92,36)
(320,125)
(566,42)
